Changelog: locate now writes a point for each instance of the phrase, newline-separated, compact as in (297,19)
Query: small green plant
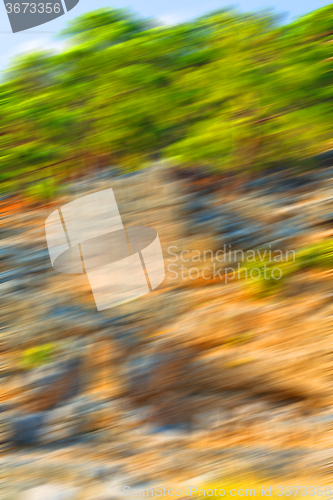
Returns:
(235,363)
(318,255)
(239,339)
(259,278)
(259,275)
(37,356)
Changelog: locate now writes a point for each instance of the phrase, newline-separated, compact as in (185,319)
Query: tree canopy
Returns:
(227,91)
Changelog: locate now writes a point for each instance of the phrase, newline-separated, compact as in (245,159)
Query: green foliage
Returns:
(318,255)
(259,280)
(43,190)
(225,91)
(37,356)
(262,282)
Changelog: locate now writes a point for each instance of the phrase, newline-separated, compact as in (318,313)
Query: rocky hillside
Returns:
(213,372)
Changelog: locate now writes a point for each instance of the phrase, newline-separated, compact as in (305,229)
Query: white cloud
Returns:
(172,18)
(30,45)
(36,44)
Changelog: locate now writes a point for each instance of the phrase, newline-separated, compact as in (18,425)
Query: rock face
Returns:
(49,492)
(200,375)
(26,429)
(45,387)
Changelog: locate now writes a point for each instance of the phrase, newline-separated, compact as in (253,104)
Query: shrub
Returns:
(316,256)
(37,356)
(43,190)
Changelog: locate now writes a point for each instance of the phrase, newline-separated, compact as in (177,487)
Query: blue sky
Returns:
(169,12)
